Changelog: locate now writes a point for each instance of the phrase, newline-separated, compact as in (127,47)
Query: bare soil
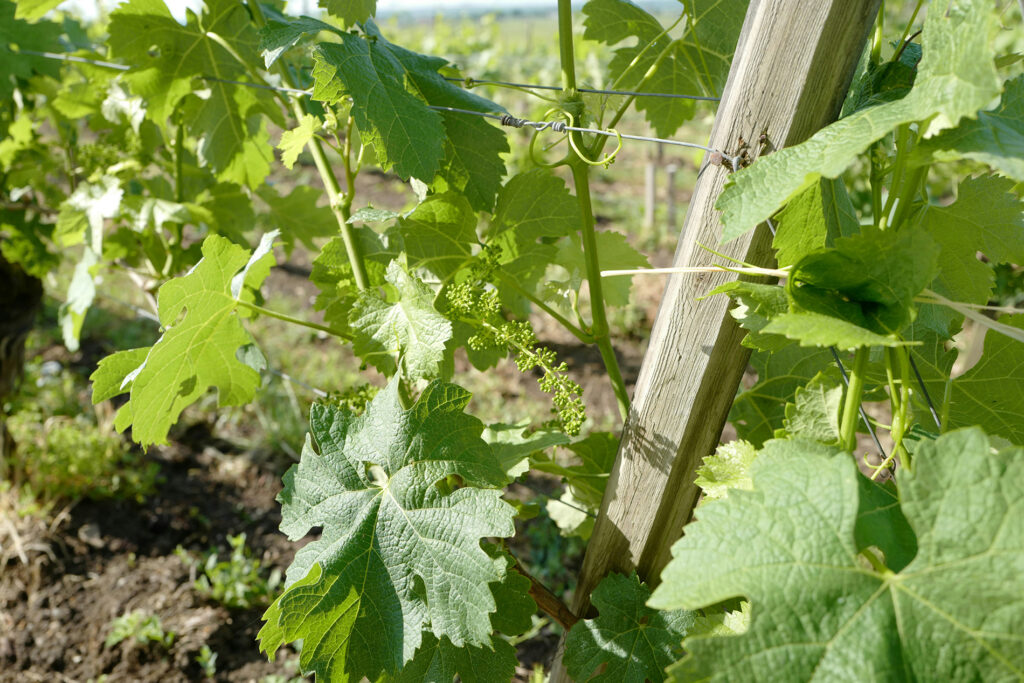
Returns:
(97,561)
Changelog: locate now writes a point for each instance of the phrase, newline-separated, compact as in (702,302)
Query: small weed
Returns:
(207,661)
(64,458)
(62,454)
(235,582)
(144,627)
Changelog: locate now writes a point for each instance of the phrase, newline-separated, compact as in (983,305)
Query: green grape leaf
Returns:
(439,660)
(814,219)
(884,82)
(85,210)
(33,10)
(400,550)
(350,11)
(616,21)
(817,329)
(227,207)
(859,293)
(991,394)
(696,63)
(278,36)
(596,455)
(882,525)
(295,140)
(407,135)
(120,107)
(814,415)
(235,145)
(197,351)
(332,274)
(756,306)
(472,165)
(81,293)
(585,482)
(613,253)
(628,641)
(819,610)
(727,468)
(996,138)
(20,136)
(720,623)
(536,204)
(526,264)
(21,243)
(228,119)
(674,73)
(146,213)
(369,214)
(986,217)
(438,236)
(43,36)
(758,411)
(532,208)
(297,216)
(956,79)
(404,330)
(515,606)
(514,443)
(571,515)
(709,43)
(113,371)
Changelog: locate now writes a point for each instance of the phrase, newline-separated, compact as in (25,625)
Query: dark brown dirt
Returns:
(101,560)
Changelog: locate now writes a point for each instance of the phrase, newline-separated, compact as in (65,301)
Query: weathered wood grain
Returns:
(789,76)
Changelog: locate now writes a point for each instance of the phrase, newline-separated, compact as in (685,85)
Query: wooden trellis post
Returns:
(791,71)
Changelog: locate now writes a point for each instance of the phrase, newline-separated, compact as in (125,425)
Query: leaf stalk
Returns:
(851,405)
(295,321)
(341,203)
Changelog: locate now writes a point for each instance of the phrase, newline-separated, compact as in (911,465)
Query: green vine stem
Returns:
(294,321)
(876,177)
(636,60)
(876,38)
(573,329)
(691,20)
(903,135)
(179,162)
(902,355)
(910,23)
(851,404)
(603,140)
(340,202)
(899,399)
(581,180)
(875,562)
(179,167)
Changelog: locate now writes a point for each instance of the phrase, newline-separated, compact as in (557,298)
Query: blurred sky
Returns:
(89,9)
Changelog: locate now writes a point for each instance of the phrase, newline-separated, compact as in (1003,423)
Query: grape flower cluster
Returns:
(473,302)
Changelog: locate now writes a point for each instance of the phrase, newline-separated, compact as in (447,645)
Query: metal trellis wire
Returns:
(471,82)
(504,119)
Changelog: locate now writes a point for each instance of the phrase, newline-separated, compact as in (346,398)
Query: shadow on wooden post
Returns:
(790,74)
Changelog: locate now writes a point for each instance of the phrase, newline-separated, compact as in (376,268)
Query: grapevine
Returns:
(149,157)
